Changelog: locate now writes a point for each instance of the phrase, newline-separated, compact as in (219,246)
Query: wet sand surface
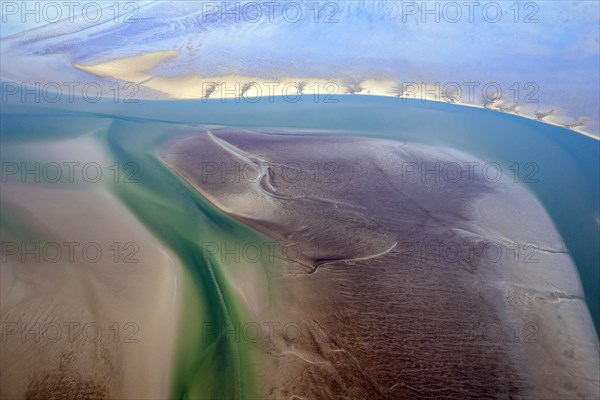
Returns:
(81,325)
(391,280)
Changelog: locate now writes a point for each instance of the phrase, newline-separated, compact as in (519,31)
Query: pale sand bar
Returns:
(98,329)
(139,69)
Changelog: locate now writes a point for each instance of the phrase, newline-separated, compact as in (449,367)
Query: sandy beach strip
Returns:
(138,69)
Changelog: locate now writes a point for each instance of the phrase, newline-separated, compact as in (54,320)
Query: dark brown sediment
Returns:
(65,383)
(379,318)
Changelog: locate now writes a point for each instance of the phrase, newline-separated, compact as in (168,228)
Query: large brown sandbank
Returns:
(411,283)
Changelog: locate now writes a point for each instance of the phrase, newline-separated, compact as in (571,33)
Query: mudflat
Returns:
(402,278)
